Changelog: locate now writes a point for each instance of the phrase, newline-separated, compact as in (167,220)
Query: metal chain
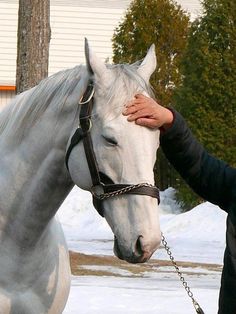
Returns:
(180,274)
(119,192)
(164,242)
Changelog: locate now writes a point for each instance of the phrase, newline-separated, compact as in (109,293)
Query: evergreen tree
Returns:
(207,98)
(165,24)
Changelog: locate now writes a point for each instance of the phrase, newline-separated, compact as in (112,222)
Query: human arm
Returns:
(209,177)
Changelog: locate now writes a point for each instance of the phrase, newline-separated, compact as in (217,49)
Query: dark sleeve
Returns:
(209,177)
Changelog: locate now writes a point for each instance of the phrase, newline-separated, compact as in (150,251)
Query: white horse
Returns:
(35,133)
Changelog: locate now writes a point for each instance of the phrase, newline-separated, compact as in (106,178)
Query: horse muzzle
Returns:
(140,252)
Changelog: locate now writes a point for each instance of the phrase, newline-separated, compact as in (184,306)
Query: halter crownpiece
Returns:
(103,187)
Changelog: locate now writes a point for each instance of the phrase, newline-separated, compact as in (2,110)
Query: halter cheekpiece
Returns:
(102,186)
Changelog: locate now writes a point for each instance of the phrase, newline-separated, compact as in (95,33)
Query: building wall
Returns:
(8,40)
(191,6)
(71,21)
(71,26)
(5,97)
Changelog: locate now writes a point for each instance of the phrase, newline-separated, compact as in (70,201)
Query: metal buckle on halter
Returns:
(97,190)
(83,102)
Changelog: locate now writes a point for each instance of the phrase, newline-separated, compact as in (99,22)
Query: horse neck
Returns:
(35,178)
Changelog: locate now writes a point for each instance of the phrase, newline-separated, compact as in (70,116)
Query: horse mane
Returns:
(26,108)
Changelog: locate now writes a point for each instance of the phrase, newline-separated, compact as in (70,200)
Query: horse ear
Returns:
(95,65)
(148,65)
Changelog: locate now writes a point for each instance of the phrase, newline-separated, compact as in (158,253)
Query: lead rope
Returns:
(181,277)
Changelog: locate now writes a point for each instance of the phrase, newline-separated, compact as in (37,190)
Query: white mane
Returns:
(26,108)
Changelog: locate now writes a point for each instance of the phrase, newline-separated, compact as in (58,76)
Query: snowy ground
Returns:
(196,236)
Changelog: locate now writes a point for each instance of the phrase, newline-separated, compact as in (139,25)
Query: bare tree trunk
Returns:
(33,43)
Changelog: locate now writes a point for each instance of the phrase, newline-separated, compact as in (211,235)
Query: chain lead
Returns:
(181,277)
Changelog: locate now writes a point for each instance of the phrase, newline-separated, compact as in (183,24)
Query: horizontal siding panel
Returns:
(96,3)
(9,21)
(74,54)
(72,39)
(57,49)
(8,43)
(7,71)
(94,42)
(8,48)
(89,8)
(9,35)
(8,60)
(65,28)
(86,3)
(193,6)
(6,28)
(5,97)
(6,5)
(85,14)
(69,56)
(78,21)
(81,33)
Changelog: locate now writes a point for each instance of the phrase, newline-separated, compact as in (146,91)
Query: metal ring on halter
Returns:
(87,126)
(90,125)
(90,97)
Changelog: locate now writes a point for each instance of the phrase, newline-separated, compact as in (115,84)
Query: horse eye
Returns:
(110,140)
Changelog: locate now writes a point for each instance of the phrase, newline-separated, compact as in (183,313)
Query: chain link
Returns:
(120,191)
(180,274)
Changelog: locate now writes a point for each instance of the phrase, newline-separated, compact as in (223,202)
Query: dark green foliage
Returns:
(165,24)
(207,98)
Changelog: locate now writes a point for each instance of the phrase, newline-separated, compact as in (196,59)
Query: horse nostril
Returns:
(138,246)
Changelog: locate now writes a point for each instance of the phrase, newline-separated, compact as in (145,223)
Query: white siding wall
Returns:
(192,6)
(8,40)
(5,97)
(71,25)
(70,22)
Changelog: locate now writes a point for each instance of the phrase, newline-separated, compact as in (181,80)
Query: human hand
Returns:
(147,112)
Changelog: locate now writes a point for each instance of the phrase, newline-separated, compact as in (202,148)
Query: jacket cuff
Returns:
(176,126)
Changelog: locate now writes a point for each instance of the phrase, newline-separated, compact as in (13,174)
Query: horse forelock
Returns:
(26,108)
(126,83)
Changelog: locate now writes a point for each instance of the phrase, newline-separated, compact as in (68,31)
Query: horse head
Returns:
(124,154)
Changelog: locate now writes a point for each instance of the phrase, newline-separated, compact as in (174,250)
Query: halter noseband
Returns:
(103,187)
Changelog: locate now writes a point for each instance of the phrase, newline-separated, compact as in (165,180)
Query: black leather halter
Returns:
(102,186)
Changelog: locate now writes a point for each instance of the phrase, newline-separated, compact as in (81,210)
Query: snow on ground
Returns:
(145,296)
(197,236)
